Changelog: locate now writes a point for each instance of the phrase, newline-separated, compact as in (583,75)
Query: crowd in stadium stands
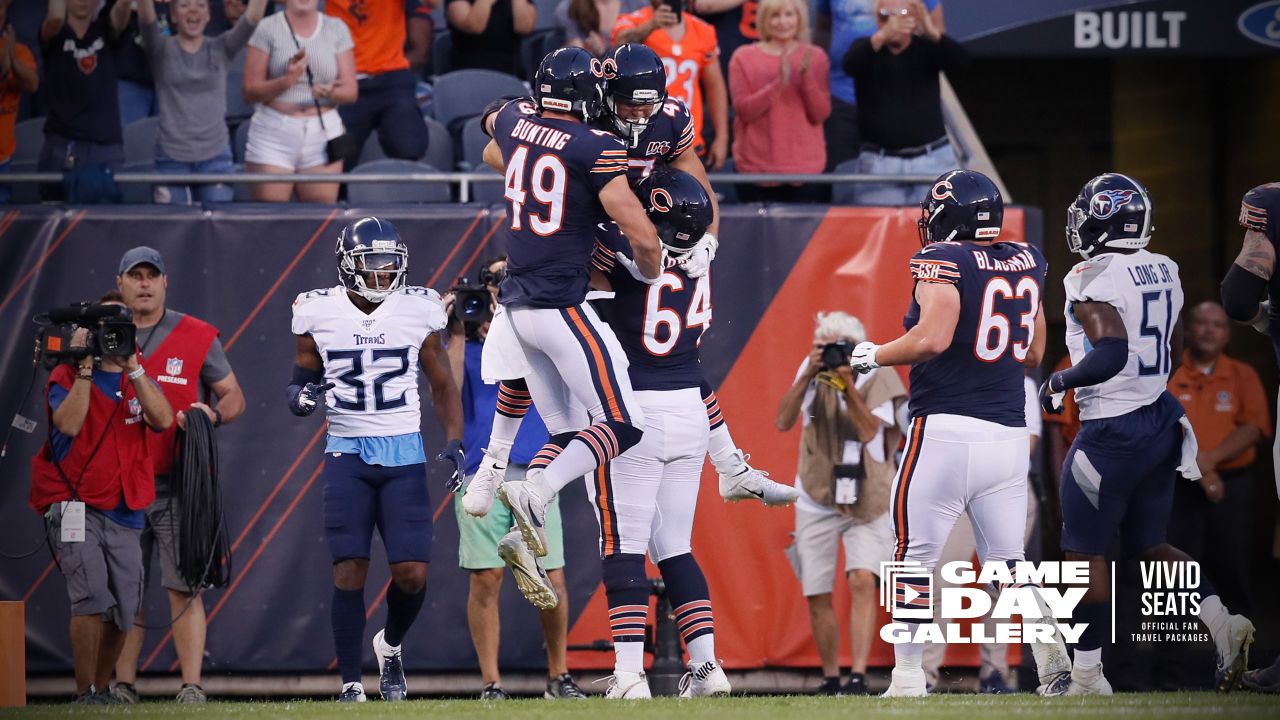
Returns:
(304,85)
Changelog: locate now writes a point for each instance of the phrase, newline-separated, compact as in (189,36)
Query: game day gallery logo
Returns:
(1020,596)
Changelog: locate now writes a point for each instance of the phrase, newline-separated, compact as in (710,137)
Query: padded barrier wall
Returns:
(240,268)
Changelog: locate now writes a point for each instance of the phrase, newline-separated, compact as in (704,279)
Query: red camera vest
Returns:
(120,465)
(175,366)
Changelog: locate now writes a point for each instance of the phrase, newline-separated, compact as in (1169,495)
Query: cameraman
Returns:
(479,537)
(186,358)
(846,468)
(96,471)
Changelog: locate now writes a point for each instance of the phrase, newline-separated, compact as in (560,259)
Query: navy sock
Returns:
(690,599)
(627,591)
(347,616)
(1098,617)
(402,610)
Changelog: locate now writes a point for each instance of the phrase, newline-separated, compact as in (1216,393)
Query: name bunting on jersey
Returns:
(1028,593)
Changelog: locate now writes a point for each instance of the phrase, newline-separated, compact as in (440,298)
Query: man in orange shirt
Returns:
(386,101)
(1226,405)
(689,52)
(17,76)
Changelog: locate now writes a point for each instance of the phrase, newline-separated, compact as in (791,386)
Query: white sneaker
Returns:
(478,498)
(1088,681)
(907,683)
(530,576)
(391,682)
(1233,652)
(352,692)
(740,481)
(704,680)
(628,686)
(528,510)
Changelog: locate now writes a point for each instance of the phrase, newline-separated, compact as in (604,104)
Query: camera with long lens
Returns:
(111,333)
(836,354)
(472,306)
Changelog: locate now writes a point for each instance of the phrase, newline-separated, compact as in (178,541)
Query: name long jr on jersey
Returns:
(372,359)
(1145,289)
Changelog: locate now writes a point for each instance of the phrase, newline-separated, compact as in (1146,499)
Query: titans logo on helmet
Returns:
(1108,202)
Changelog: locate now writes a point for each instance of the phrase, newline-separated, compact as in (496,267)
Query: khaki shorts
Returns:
(103,573)
(813,554)
(478,537)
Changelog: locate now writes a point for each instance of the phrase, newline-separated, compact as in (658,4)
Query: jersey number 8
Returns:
(995,329)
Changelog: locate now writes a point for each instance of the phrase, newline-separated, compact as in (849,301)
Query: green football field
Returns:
(1156,706)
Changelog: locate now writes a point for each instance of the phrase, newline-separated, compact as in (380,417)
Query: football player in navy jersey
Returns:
(659,132)
(1249,292)
(360,347)
(1122,310)
(562,178)
(974,323)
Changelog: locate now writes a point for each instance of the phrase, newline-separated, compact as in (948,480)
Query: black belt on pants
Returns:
(907,152)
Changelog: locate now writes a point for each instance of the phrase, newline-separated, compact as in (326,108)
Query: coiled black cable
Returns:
(204,555)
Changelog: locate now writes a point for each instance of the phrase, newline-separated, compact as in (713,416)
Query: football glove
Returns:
(1262,322)
(1053,395)
(303,401)
(863,358)
(634,269)
(452,455)
(697,262)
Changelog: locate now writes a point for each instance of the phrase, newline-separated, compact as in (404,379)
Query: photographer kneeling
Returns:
(92,480)
(846,467)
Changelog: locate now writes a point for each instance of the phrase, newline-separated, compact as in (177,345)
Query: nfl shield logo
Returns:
(135,406)
(173,366)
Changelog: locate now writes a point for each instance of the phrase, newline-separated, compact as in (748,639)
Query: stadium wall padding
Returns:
(240,268)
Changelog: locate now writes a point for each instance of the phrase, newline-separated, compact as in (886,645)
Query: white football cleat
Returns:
(740,481)
(530,576)
(704,680)
(907,683)
(478,498)
(1233,652)
(528,510)
(628,686)
(1052,661)
(1088,681)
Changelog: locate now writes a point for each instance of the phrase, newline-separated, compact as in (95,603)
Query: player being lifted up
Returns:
(366,340)
(974,322)
(658,132)
(563,177)
(1124,335)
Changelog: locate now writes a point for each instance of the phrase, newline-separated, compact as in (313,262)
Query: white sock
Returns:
(629,657)
(722,449)
(1214,615)
(702,649)
(500,449)
(1088,659)
(908,655)
(503,434)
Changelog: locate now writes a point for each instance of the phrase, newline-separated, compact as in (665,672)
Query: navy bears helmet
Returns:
(961,205)
(1111,214)
(570,80)
(637,79)
(372,260)
(678,206)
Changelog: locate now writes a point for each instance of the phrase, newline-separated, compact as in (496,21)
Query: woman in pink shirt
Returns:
(781,94)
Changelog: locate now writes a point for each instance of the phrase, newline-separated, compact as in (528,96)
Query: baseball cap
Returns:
(141,255)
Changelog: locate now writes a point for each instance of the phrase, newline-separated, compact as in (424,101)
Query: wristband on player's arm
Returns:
(1107,358)
(1242,291)
(302,376)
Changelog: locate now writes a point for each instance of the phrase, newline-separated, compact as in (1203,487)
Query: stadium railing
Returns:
(464,180)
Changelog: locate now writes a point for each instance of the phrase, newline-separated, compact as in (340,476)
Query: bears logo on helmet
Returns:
(678,207)
(961,205)
(660,200)
(945,187)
